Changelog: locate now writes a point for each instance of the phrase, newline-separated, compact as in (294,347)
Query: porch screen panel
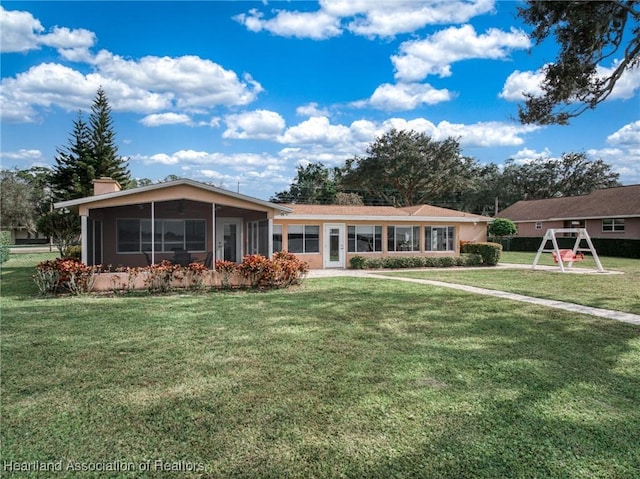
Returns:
(263,238)
(277,238)
(145,234)
(173,232)
(128,236)
(196,235)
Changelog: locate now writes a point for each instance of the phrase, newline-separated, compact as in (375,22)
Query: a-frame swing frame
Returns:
(581,234)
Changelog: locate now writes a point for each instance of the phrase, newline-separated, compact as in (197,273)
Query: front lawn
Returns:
(341,377)
(620,292)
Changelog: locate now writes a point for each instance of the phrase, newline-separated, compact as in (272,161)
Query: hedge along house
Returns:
(328,236)
(184,217)
(190,220)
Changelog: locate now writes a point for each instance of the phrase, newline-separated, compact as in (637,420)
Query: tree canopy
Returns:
(588,33)
(314,184)
(404,168)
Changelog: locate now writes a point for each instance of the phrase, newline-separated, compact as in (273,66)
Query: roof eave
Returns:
(408,219)
(158,186)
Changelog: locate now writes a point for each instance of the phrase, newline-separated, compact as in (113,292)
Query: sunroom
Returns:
(182,221)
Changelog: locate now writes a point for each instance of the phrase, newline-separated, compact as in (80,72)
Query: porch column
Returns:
(270,238)
(153,232)
(213,236)
(84,230)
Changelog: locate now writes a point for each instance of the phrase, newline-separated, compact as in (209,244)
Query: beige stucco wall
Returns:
(464,232)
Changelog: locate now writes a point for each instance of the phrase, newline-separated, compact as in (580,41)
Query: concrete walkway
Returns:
(575,308)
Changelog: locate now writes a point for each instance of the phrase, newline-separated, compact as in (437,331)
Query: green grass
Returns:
(618,292)
(341,377)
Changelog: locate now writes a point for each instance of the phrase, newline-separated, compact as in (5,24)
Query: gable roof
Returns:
(409,213)
(158,187)
(620,202)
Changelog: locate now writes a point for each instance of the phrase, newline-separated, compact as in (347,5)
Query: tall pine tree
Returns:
(70,173)
(92,153)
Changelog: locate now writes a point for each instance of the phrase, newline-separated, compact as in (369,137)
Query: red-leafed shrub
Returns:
(65,274)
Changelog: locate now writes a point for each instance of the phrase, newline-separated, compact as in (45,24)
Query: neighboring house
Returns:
(605,213)
(197,219)
(22,236)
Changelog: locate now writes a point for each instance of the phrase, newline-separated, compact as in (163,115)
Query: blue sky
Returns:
(240,93)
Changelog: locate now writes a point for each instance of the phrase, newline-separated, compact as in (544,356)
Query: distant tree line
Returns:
(404,168)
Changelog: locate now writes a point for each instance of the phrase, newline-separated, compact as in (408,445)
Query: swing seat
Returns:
(567,256)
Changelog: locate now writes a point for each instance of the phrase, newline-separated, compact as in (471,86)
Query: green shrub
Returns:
(471,259)
(5,240)
(374,263)
(447,261)
(490,252)
(74,252)
(357,262)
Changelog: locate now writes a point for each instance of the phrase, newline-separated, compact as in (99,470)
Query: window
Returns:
(538,226)
(403,238)
(303,239)
(364,239)
(440,238)
(258,237)
(277,238)
(134,235)
(611,225)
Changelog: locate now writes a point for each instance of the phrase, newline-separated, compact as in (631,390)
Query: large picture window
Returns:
(403,238)
(611,225)
(440,238)
(364,239)
(134,235)
(303,238)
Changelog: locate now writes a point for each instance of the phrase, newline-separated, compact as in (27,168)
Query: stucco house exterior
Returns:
(605,213)
(148,224)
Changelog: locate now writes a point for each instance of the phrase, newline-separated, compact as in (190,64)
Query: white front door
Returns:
(333,245)
(229,239)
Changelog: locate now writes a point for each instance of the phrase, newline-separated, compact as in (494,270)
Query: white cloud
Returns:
(237,162)
(435,54)
(527,155)
(311,109)
(22,155)
(627,135)
(406,96)
(259,124)
(625,161)
(149,85)
(316,25)
(21,32)
(519,83)
(52,84)
(191,81)
(626,86)
(160,119)
(370,18)
(315,130)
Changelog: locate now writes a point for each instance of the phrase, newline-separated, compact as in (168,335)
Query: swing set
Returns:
(567,256)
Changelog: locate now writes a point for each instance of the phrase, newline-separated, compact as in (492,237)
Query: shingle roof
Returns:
(623,201)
